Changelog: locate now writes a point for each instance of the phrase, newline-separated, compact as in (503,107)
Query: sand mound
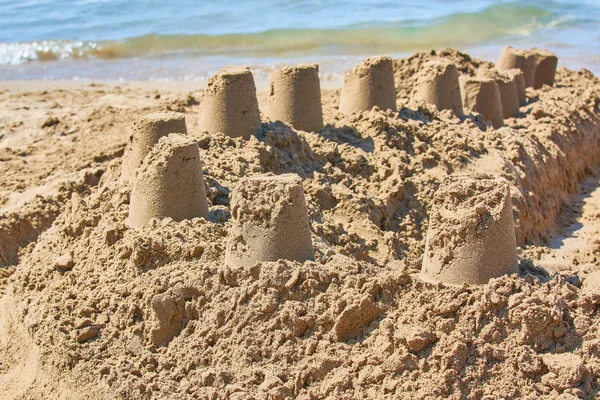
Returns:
(471,236)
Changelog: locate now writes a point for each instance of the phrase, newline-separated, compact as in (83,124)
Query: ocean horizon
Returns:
(181,40)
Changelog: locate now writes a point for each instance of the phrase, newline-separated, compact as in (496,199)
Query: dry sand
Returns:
(94,309)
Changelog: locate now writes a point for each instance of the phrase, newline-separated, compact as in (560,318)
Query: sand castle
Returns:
(146,133)
(507,86)
(270,221)
(471,236)
(295,97)
(482,95)
(369,84)
(438,84)
(169,183)
(521,59)
(545,70)
(229,104)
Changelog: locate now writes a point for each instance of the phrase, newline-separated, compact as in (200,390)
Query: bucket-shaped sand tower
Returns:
(146,133)
(369,84)
(229,104)
(471,236)
(521,59)
(438,84)
(269,221)
(169,183)
(520,81)
(481,95)
(295,97)
(545,70)
(507,86)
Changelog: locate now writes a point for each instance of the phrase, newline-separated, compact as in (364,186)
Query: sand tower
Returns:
(438,84)
(270,221)
(471,236)
(545,70)
(521,59)
(520,82)
(369,84)
(146,133)
(229,104)
(482,95)
(507,86)
(169,183)
(295,97)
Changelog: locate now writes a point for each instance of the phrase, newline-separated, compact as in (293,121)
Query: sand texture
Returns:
(92,308)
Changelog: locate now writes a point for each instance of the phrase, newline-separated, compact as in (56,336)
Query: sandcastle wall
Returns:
(146,133)
(520,82)
(471,236)
(229,104)
(169,183)
(269,221)
(438,84)
(369,84)
(295,97)
(482,95)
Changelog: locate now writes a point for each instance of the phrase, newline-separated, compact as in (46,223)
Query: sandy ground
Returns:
(358,322)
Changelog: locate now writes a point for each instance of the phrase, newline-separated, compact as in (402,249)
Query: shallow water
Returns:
(189,40)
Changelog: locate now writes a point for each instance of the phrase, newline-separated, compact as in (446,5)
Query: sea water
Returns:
(190,40)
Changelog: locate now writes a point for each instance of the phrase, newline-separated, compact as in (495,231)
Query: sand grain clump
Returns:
(169,183)
(146,133)
(229,104)
(270,221)
(295,97)
(471,236)
(369,84)
(438,85)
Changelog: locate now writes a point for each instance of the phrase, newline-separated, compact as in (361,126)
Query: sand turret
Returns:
(520,82)
(369,84)
(229,104)
(507,86)
(269,221)
(169,183)
(545,70)
(482,95)
(521,59)
(471,236)
(146,133)
(438,84)
(295,97)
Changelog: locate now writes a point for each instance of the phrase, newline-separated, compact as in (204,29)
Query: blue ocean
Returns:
(190,40)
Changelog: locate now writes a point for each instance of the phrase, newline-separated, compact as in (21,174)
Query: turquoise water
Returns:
(157,40)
